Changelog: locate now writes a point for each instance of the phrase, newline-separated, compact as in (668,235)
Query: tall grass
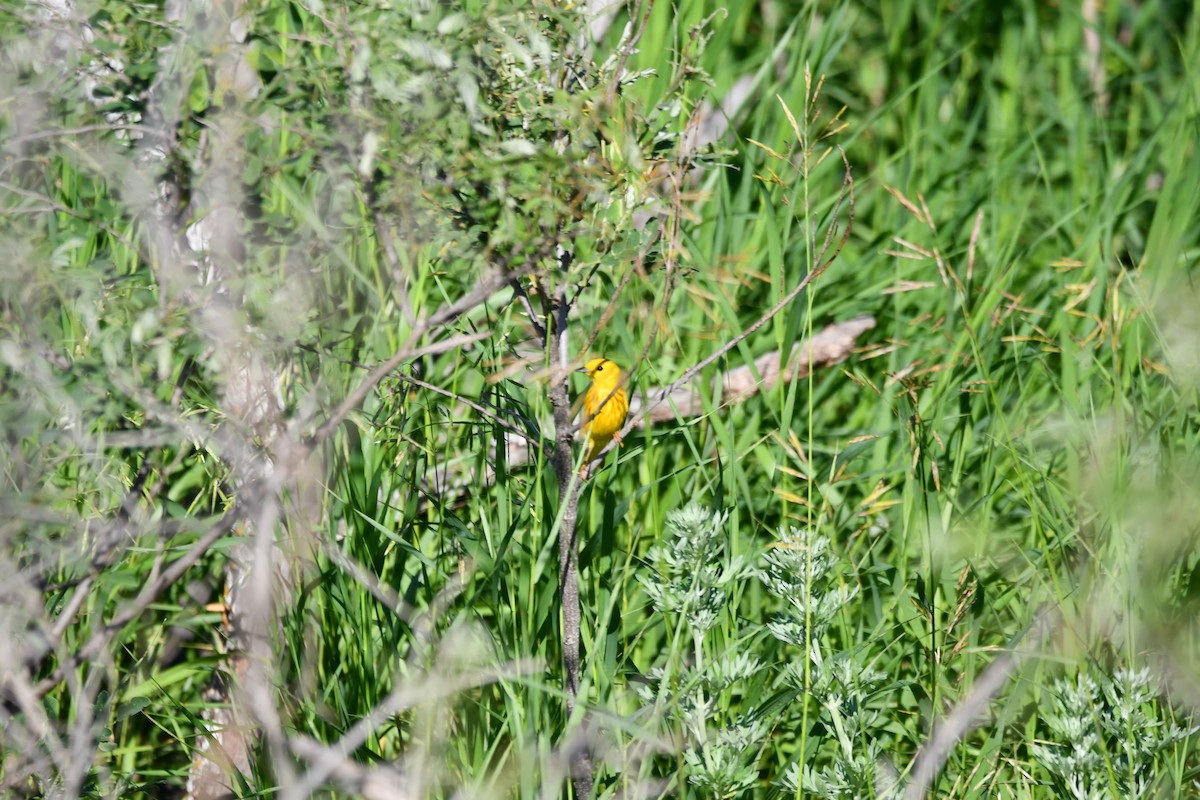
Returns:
(787,596)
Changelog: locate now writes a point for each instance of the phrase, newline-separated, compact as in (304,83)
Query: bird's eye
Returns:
(599,368)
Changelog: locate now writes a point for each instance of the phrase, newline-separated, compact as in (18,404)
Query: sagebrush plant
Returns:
(1109,733)
(696,585)
(692,581)
(835,687)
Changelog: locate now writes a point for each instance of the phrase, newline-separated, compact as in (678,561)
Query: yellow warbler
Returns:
(605,402)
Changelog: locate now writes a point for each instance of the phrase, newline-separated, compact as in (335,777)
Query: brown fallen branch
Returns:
(830,346)
(682,402)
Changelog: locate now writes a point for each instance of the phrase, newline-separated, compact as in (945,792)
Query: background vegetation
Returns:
(274,382)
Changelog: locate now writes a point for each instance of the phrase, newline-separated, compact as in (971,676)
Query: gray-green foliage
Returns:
(1108,734)
(694,585)
(815,585)
(692,578)
(801,571)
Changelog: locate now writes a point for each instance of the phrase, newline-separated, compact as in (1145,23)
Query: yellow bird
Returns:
(605,403)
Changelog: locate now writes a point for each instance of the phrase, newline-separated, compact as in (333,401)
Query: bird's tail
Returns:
(598,443)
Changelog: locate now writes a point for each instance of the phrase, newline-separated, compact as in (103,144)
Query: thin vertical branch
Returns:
(569,488)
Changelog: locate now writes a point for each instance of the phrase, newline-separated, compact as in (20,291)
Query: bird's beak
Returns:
(582,369)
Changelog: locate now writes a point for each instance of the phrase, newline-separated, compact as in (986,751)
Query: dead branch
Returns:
(830,346)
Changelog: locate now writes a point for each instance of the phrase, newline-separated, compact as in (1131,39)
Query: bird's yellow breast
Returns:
(605,402)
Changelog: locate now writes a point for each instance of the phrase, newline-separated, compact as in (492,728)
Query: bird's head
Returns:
(602,370)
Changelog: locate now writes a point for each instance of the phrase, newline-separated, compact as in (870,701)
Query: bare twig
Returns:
(380,782)
(642,14)
(91,219)
(331,761)
(150,592)
(534,437)
(354,399)
(538,328)
(485,288)
(568,548)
